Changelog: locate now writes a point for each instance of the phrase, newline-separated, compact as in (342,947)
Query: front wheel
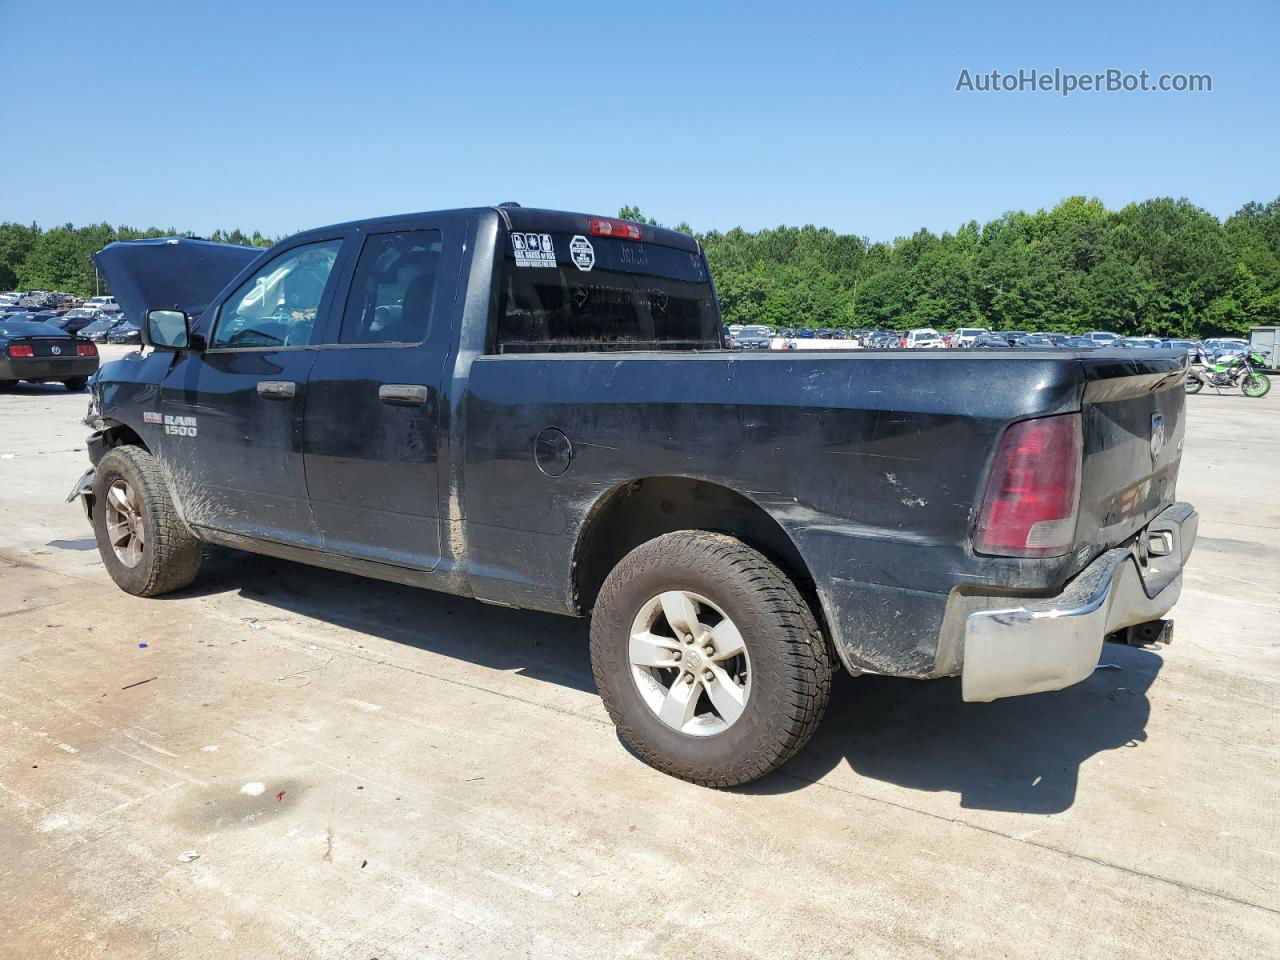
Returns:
(1193,385)
(1255,385)
(708,659)
(144,545)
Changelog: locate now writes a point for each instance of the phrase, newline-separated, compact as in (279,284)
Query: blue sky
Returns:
(284,115)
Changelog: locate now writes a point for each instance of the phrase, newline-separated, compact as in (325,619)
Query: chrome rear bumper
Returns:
(1051,643)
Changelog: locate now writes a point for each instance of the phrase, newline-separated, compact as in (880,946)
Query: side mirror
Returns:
(166,330)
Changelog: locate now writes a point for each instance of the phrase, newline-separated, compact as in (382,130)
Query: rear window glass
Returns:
(563,292)
(25,328)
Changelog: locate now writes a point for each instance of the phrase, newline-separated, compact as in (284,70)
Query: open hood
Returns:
(170,273)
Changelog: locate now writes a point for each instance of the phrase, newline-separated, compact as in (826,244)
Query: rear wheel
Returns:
(1193,385)
(75,384)
(1256,385)
(144,545)
(708,659)
(8,384)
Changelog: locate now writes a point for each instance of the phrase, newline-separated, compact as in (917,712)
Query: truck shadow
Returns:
(539,645)
(1019,755)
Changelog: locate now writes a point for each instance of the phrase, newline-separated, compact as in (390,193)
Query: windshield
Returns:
(560,292)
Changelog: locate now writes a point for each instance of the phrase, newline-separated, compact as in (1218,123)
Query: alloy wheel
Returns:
(690,663)
(124,523)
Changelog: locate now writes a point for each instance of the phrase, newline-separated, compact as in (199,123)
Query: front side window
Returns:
(575,293)
(393,289)
(277,306)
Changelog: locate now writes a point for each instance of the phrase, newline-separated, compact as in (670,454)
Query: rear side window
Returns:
(393,289)
(562,292)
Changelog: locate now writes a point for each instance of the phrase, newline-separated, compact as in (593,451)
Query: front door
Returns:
(373,415)
(232,413)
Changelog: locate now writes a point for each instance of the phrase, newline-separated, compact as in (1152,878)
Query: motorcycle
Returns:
(1233,370)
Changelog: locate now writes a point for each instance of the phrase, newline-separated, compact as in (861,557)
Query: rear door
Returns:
(373,415)
(232,413)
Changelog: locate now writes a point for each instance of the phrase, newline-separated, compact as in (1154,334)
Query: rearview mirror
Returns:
(166,330)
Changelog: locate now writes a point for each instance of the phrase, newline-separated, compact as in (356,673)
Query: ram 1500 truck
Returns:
(536,409)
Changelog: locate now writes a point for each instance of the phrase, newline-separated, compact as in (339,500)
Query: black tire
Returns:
(170,554)
(8,384)
(1255,385)
(790,660)
(1193,385)
(75,384)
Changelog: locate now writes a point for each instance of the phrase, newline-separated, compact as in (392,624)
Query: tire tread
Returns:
(804,650)
(174,556)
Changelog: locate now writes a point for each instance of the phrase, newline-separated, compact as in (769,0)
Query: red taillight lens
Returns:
(614,228)
(1033,492)
(21,350)
(86,349)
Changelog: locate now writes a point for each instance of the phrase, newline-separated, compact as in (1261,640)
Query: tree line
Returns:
(1161,267)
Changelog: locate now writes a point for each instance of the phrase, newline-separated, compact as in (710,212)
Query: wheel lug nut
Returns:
(675,654)
(709,650)
(708,675)
(688,678)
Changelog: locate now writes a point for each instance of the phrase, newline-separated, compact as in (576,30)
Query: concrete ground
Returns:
(364,770)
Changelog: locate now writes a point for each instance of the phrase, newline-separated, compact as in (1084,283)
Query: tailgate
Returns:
(1133,413)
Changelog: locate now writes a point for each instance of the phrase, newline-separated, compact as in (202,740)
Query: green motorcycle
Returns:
(1233,370)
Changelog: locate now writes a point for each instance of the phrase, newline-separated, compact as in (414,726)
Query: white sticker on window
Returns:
(584,255)
(533,249)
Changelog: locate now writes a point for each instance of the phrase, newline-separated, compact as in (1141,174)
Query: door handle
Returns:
(277,389)
(404,394)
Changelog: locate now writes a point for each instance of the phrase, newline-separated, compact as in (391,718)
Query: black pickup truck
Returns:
(536,409)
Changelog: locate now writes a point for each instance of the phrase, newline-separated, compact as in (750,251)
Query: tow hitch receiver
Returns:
(1147,634)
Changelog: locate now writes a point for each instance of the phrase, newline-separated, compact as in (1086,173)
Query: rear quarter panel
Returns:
(871,464)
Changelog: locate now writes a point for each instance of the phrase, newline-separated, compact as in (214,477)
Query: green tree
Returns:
(634,214)
(1163,266)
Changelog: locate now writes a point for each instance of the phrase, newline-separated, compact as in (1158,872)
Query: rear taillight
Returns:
(21,350)
(1033,493)
(624,229)
(86,349)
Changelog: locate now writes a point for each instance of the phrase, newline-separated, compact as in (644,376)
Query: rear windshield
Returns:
(26,328)
(563,292)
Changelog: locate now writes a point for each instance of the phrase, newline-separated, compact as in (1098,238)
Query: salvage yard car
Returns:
(965,337)
(124,332)
(77,319)
(925,338)
(536,409)
(40,352)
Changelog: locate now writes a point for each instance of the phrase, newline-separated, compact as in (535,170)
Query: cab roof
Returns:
(518,218)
